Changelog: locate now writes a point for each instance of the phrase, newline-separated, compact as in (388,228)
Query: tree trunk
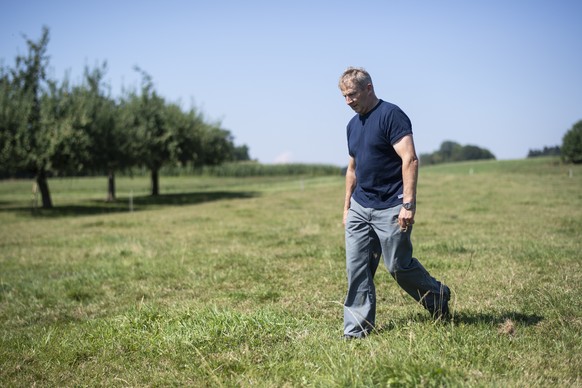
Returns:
(111,186)
(42,183)
(155,182)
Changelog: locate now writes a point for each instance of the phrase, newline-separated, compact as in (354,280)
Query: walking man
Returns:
(380,205)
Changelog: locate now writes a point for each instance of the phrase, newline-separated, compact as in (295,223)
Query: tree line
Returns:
(451,151)
(571,149)
(50,127)
(546,151)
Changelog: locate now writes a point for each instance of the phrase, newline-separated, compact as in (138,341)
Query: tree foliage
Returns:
(167,134)
(50,127)
(26,145)
(572,144)
(110,144)
(546,151)
(14,112)
(64,129)
(145,119)
(451,151)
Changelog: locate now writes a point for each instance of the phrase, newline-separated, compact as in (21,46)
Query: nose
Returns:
(349,100)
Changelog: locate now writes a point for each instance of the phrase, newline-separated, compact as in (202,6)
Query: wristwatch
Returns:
(408,205)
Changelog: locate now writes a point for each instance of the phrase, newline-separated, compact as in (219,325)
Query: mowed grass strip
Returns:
(225,281)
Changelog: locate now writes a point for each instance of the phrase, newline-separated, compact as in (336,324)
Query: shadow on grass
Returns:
(138,203)
(470,318)
(496,319)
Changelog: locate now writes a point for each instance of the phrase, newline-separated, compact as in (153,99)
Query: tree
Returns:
(165,134)
(241,153)
(218,145)
(64,134)
(14,112)
(51,127)
(471,152)
(110,144)
(451,151)
(143,116)
(187,134)
(24,147)
(572,144)
(200,142)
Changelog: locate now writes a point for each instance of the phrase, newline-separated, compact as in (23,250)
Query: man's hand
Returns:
(350,186)
(405,219)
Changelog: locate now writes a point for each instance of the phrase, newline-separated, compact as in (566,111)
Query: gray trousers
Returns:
(372,233)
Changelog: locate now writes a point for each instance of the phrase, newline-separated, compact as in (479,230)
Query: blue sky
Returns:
(502,75)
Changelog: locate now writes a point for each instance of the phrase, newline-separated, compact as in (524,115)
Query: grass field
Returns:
(240,282)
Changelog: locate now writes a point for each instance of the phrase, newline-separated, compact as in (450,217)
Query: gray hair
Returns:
(357,76)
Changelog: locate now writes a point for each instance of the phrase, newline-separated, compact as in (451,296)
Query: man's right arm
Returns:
(350,186)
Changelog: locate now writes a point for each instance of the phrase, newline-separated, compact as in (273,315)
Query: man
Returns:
(380,205)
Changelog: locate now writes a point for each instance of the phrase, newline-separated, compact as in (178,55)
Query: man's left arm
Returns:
(404,147)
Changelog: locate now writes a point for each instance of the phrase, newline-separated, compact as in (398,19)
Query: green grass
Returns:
(240,282)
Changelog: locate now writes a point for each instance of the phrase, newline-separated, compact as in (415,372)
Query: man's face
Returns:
(356,98)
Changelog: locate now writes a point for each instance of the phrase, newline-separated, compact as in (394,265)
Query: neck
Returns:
(373,102)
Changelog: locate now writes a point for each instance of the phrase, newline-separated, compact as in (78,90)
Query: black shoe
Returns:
(441,314)
(441,310)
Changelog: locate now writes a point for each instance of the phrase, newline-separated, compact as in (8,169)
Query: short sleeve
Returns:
(399,125)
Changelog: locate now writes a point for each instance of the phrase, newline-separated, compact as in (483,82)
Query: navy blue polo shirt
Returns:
(378,166)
